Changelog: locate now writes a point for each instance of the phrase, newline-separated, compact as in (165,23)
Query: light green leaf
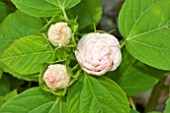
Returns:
(88,12)
(34,100)
(96,95)
(27,77)
(136,77)
(8,96)
(167,109)
(26,55)
(44,8)
(17,25)
(145,25)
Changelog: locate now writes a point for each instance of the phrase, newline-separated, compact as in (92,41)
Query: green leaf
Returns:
(44,8)
(133,111)
(136,77)
(4,86)
(167,109)
(34,100)
(8,83)
(4,10)
(61,106)
(96,95)
(1,72)
(88,12)
(26,55)
(154,112)
(14,82)
(17,25)
(8,96)
(145,25)
(27,77)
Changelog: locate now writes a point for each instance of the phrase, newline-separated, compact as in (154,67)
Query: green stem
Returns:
(73,39)
(29,84)
(47,24)
(111,31)
(75,67)
(78,73)
(155,96)
(122,44)
(94,28)
(64,13)
(75,77)
(70,46)
(132,103)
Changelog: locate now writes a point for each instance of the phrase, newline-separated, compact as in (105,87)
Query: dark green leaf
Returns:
(88,13)
(4,10)
(34,100)
(44,8)
(154,112)
(4,86)
(145,25)
(14,82)
(17,25)
(1,72)
(96,95)
(136,77)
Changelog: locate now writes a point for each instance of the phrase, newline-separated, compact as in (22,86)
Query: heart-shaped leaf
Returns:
(145,25)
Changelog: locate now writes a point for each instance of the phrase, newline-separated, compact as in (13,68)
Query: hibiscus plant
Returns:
(54,59)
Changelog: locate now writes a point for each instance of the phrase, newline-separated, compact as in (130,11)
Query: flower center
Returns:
(59,32)
(52,79)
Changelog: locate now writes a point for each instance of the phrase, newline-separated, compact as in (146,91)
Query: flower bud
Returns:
(98,53)
(59,34)
(56,77)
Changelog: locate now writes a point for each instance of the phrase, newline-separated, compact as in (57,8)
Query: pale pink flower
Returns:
(59,34)
(98,53)
(56,77)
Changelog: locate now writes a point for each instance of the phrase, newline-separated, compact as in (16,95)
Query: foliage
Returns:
(25,54)
(167,109)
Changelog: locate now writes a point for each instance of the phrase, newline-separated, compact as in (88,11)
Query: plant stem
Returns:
(64,13)
(47,24)
(75,67)
(70,46)
(94,28)
(122,44)
(132,103)
(155,96)
(29,84)
(78,73)
(73,39)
